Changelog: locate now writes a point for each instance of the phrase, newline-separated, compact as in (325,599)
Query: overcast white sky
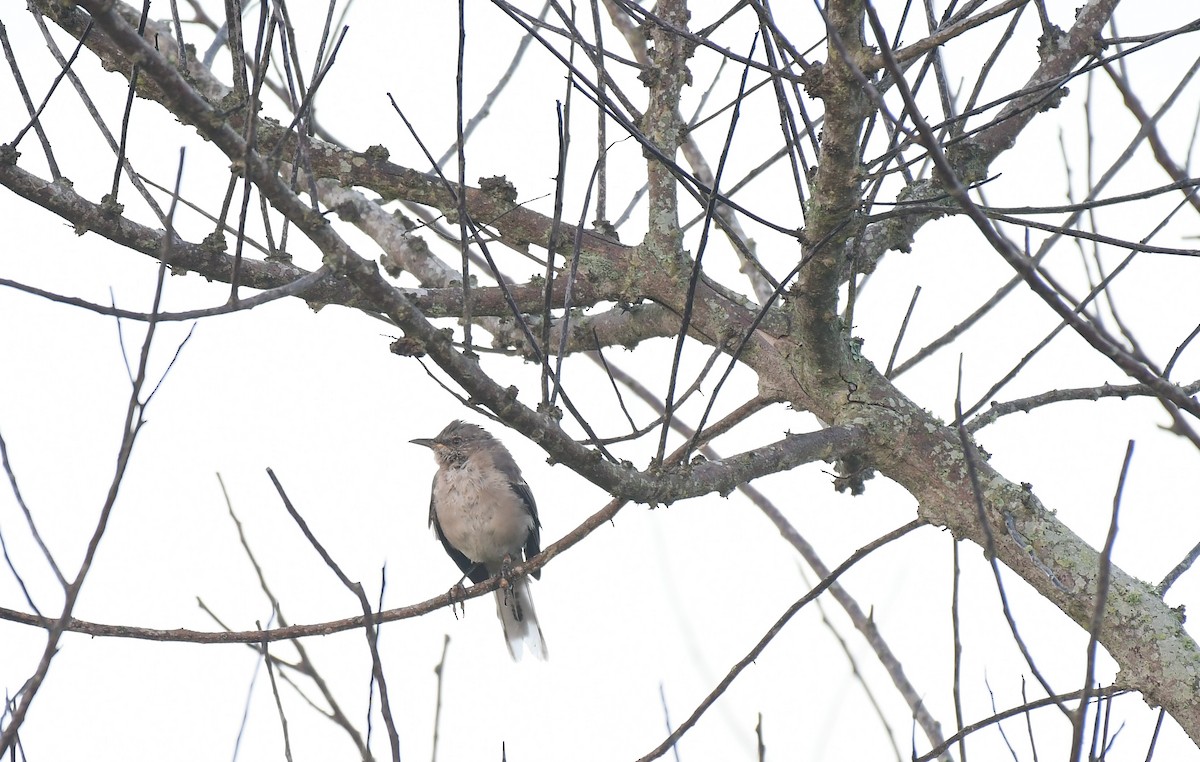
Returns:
(649,612)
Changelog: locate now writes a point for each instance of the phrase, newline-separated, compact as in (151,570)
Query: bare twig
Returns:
(1024,709)
(440,671)
(759,647)
(368,615)
(1102,583)
(134,417)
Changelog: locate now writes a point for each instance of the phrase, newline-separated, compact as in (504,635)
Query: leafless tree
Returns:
(743,196)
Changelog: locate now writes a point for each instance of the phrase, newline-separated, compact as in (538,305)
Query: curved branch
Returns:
(204,258)
(1093,393)
(812,365)
(972,157)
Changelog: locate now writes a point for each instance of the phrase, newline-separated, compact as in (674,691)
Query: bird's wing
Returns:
(533,543)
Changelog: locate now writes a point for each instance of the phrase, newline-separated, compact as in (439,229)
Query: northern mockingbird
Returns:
(484,514)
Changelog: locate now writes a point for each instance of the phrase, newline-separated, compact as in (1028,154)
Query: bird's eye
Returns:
(456,441)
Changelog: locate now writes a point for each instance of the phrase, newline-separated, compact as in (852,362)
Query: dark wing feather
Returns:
(533,543)
(468,567)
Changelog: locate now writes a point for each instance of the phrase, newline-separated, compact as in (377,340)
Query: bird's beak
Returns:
(430,443)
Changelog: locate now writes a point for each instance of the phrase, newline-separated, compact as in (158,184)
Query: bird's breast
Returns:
(481,515)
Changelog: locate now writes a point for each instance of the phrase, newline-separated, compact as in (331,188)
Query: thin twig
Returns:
(283,722)
(440,671)
(1093,393)
(900,334)
(1103,576)
(134,417)
(759,647)
(368,614)
(1024,709)
(970,453)
(956,631)
(296,288)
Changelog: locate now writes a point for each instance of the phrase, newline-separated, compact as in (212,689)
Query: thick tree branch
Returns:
(809,360)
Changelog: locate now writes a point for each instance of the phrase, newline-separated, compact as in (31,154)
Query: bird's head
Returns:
(456,442)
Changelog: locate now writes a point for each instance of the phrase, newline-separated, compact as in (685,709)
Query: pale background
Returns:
(663,600)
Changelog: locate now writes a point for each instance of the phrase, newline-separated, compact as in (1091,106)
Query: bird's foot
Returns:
(507,580)
(506,572)
(457,595)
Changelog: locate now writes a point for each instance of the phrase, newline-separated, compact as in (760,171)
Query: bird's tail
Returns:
(514,606)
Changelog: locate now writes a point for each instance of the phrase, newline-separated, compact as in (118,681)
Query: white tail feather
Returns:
(514,606)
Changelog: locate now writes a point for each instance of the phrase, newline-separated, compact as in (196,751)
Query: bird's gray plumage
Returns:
(484,514)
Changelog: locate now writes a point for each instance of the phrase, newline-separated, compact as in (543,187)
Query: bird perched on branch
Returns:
(483,512)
